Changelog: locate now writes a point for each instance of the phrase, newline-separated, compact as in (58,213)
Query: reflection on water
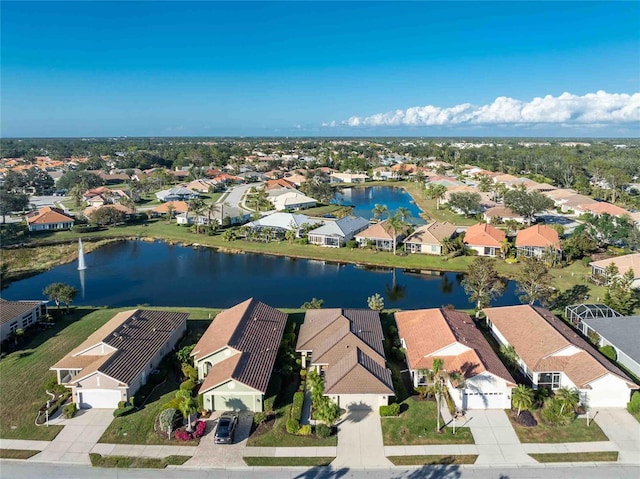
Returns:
(364,199)
(136,272)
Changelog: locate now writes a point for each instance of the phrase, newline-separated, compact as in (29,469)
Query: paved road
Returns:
(236,193)
(23,470)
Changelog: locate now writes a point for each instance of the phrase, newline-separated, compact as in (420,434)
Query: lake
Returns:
(136,273)
(364,199)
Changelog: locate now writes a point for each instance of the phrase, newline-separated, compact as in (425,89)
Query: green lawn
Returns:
(577,431)
(288,461)
(323,210)
(417,425)
(17,453)
(603,456)
(23,373)
(98,460)
(432,460)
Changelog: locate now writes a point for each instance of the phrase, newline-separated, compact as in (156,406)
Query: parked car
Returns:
(226,428)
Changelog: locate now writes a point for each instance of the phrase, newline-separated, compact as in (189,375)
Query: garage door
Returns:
(476,400)
(230,402)
(369,402)
(99,398)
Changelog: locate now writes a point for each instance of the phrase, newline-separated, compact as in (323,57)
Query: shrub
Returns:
(189,372)
(165,420)
(201,402)
(172,404)
(200,427)
(123,411)
(53,387)
(526,419)
(634,405)
(298,399)
(609,352)
(259,418)
(188,385)
(351,244)
(303,374)
(292,425)
(322,430)
(69,410)
(182,435)
(551,413)
(122,404)
(390,410)
(304,430)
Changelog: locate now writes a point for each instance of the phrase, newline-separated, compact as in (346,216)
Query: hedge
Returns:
(609,352)
(123,411)
(69,410)
(634,405)
(292,425)
(322,430)
(305,430)
(390,410)
(188,385)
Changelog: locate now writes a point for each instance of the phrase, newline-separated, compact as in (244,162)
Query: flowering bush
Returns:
(200,427)
(182,435)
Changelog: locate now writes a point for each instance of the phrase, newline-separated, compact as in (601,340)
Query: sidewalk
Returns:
(131,450)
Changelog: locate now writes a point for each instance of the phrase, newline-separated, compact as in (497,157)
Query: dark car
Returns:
(226,428)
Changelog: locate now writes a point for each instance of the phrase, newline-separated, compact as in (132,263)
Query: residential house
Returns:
(535,241)
(202,185)
(296,179)
(16,315)
(278,184)
(599,208)
(334,234)
(117,359)
(380,236)
(429,239)
(384,173)
(236,354)
(290,199)
(284,222)
(451,336)
(502,213)
(621,333)
(48,218)
(348,177)
(346,347)
(553,355)
(487,240)
(87,212)
(177,206)
(623,263)
(178,193)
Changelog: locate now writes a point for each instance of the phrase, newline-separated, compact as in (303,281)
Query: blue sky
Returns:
(329,68)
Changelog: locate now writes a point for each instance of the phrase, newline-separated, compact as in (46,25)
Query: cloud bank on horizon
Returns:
(593,109)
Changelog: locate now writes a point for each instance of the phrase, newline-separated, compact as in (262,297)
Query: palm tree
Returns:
(196,205)
(521,397)
(404,213)
(437,372)
(567,397)
(436,192)
(396,223)
(188,405)
(379,211)
(505,247)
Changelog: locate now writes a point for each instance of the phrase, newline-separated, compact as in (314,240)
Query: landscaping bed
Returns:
(602,456)
(417,425)
(576,431)
(432,460)
(288,461)
(98,460)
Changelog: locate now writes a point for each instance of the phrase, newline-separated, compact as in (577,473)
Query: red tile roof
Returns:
(48,215)
(484,234)
(538,235)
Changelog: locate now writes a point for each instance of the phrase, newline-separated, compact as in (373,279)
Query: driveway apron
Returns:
(360,440)
(79,435)
(623,430)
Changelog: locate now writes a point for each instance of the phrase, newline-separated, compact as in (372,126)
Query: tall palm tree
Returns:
(196,205)
(379,211)
(404,213)
(396,224)
(437,192)
(568,398)
(521,397)
(437,372)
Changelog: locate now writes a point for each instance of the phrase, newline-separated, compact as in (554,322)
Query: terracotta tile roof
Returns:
(624,263)
(136,336)
(278,183)
(601,207)
(10,310)
(427,331)
(358,373)
(545,336)
(254,330)
(179,207)
(116,206)
(48,215)
(380,230)
(432,233)
(501,212)
(484,234)
(538,235)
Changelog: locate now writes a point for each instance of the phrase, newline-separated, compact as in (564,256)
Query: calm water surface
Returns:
(364,199)
(135,273)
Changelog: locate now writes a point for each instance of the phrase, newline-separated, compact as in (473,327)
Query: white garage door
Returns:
(370,402)
(99,398)
(476,400)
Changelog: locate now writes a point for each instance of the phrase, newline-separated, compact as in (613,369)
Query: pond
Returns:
(364,199)
(135,273)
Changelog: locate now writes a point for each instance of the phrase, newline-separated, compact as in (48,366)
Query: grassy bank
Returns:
(98,460)
(288,461)
(603,456)
(432,460)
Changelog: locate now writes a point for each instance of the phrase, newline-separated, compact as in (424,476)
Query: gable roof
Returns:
(252,328)
(341,227)
(546,335)
(600,207)
(432,233)
(11,309)
(380,230)
(358,373)
(501,212)
(48,215)
(427,331)
(179,207)
(622,332)
(541,236)
(624,263)
(287,221)
(484,234)
(136,335)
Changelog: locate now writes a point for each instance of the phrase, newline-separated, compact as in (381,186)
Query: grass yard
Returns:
(432,460)
(23,373)
(324,210)
(417,425)
(288,461)
(603,456)
(577,431)
(17,453)
(98,460)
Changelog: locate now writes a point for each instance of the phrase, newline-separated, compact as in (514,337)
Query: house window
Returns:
(13,326)
(549,380)
(434,248)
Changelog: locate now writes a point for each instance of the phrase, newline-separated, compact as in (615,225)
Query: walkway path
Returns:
(360,440)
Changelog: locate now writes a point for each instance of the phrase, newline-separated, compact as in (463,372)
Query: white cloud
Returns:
(567,109)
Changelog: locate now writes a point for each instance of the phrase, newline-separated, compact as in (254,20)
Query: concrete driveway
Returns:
(208,454)
(360,440)
(495,438)
(623,430)
(79,436)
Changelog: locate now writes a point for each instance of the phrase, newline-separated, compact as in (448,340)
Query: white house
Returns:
(451,336)
(179,193)
(16,315)
(553,355)
(348,178)
(288,199)
(334,234)
(621,333)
